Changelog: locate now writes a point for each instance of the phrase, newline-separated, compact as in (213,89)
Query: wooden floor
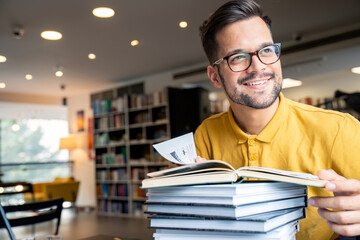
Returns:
(89,225)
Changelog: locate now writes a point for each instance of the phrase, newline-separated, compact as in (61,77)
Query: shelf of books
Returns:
(125,128)
(333,103)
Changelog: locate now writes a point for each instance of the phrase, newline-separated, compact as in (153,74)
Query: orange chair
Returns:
(65,188)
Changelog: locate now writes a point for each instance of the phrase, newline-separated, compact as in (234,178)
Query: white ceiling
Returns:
(163,45)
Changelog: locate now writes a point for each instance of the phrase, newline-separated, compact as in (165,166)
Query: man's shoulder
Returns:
(313,111)
(321,118)
(217,118)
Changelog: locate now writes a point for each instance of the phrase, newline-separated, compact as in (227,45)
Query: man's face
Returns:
(259,86)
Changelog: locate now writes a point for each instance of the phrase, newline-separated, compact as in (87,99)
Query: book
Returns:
(286,232)
(243,188)
(216,171)
(228,200)
(228,194)
(224,211)
(262,223)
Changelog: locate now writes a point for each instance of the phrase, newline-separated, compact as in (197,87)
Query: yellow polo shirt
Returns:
(298,138)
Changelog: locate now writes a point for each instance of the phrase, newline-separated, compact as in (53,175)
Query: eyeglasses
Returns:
(241,61)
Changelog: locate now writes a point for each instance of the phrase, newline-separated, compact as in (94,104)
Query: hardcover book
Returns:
(286,232)
(216,171)
(253,192)
(225,211)
(262,223)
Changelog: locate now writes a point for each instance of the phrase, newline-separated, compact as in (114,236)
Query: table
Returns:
(106,237)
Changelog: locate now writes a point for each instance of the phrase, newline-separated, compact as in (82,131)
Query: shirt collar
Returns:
(271,129)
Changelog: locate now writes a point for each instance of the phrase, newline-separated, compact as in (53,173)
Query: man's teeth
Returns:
(256,83)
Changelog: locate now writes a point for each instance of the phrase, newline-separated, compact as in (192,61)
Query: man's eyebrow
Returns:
(239,50)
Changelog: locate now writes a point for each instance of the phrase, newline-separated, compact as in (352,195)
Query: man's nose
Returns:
(256,64)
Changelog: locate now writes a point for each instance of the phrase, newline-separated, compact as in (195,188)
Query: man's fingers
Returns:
(347,199)
(338,202)
(345,186)
(345,230)
(340,217)
(200,159)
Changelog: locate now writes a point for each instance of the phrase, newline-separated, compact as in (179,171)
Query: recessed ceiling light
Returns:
(183,24)
(91,56)
(355,70)
(2,85)
(289,82)
(51,35)
(134,43)
(103,12)
(59,73)
(28,76)
(2,59)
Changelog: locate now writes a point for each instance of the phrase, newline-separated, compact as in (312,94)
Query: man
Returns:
(263,128)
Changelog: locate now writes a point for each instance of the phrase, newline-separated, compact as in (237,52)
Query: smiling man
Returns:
(263,128)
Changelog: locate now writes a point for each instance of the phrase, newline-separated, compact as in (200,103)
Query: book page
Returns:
(179,150)
(280,172)
(208,166)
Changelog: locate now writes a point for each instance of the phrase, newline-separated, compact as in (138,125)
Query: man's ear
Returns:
(214,76)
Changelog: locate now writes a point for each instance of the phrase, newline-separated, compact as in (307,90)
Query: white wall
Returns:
(322,87)
(322,72)
(84,168)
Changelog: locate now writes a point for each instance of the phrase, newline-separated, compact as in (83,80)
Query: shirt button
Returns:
(251,142)
(253,157)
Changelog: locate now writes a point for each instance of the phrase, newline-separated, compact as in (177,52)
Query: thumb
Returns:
(329,175)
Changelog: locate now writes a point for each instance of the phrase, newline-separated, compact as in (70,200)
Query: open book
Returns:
(216,171)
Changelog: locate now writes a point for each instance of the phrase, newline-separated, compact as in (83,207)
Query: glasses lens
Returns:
(269,54)
(239,62)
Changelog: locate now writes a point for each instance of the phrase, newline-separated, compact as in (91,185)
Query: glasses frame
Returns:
(251,54)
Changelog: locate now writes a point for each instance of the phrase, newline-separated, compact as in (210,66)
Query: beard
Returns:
(239,97)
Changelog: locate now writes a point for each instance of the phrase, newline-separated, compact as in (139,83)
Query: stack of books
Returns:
(199,201)
(253,210)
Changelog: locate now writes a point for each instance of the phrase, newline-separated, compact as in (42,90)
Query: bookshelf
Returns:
(127,123)
(332,103)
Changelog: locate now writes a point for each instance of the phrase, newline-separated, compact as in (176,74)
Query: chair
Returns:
(33,213)
(5,222)
(66,188)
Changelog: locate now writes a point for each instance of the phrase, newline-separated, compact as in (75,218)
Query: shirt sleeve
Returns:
(345,154)
(202,142)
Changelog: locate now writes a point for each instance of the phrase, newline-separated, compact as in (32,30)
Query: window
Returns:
(29,146)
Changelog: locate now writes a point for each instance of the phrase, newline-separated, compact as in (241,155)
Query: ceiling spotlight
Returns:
(2,59)
(59,73)
(28,77)
(103,12)
(183,24)
(51,35)
(2,85)
(134,43)
(92,56)
(355,70)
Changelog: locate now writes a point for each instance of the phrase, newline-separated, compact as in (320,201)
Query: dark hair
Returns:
(228,13)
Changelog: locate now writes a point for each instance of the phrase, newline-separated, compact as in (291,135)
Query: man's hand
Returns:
(342,211)
(200,159)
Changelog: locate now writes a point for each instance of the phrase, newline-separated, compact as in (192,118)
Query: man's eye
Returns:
(268,50)
(237,58)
